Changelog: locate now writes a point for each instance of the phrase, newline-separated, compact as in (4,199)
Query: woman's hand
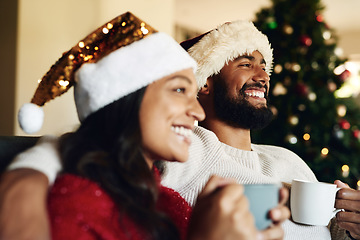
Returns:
(222,212)
(278,215)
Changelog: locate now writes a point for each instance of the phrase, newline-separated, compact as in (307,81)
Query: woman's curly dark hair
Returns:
(107,149)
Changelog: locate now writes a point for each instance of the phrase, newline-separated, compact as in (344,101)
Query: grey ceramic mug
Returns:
(262,198)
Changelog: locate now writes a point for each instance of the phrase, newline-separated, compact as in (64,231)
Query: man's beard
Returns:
(237,111)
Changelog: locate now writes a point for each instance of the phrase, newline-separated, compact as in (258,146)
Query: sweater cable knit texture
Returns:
(264,164)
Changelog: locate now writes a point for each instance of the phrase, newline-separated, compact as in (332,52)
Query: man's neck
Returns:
(235,137)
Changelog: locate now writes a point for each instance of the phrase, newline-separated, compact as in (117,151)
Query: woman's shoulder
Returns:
(80,207)
(173,205)
(79,194)
(69,184)
(170,197)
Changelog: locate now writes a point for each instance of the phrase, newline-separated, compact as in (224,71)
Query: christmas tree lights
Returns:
(310,119)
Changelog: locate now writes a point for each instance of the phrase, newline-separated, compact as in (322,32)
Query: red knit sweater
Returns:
(80,209)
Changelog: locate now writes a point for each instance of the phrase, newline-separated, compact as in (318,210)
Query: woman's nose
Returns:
(196,111)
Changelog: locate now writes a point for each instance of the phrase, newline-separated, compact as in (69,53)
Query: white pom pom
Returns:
(31,117)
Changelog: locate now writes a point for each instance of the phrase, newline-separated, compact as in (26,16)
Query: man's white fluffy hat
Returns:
(115,60)
(214,49)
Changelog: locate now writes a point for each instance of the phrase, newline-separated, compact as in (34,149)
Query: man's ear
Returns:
(205,90)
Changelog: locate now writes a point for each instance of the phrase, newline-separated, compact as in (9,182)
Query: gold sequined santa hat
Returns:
(213,49)
(118,58)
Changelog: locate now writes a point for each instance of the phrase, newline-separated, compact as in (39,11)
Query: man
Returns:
(233,75)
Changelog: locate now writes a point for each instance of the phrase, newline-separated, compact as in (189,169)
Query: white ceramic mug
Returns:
(312,203)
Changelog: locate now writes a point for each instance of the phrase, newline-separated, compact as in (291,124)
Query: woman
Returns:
(116,147)
(135,95)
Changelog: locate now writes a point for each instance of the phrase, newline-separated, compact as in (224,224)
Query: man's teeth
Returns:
(255,94)
(182,131)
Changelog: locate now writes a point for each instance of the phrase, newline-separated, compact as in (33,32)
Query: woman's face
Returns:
(167,114)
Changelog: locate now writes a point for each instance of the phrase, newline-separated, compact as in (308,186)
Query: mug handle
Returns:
(336,210)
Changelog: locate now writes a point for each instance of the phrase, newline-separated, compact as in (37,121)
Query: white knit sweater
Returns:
(208,156)
(264,164)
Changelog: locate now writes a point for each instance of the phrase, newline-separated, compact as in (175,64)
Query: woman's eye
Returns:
(180,90)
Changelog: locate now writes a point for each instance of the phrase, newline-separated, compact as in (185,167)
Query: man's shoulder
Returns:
(273,150)
(285,158)
(47,144)
(43,157)
(202,141)
(269,148)
(205,134)
(204,146)
(203,152)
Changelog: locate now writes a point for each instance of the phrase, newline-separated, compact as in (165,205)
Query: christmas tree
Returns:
(308,119)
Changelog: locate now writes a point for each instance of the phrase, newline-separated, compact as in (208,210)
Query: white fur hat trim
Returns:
(225,43)
(126,70)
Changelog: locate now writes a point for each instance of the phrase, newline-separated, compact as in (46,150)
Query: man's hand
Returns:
(349,200)
(278,215)
(222,212)
(23,209)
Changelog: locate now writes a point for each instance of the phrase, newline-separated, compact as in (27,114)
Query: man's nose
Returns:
(261,75)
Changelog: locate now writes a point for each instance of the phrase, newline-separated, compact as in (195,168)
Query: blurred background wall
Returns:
(35,33)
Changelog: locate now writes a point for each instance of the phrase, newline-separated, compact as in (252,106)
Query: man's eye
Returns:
(245,65)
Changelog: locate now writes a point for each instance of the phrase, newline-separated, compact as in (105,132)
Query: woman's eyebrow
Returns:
(180,76)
